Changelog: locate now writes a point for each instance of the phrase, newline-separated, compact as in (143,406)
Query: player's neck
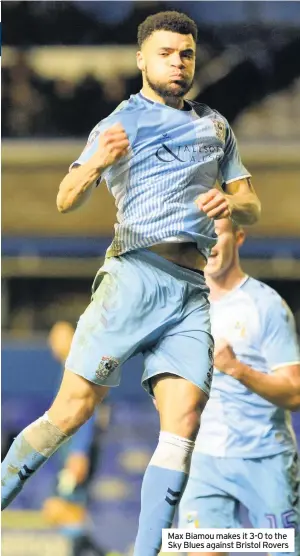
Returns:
(222,285)
(173,102)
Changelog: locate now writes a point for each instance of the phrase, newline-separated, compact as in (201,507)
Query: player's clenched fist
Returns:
(113,143)
(215,204)
(224,356)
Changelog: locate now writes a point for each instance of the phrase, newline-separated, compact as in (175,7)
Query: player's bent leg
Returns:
(179,404)
(74,404)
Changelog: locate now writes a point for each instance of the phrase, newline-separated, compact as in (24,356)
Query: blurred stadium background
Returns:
(66,65)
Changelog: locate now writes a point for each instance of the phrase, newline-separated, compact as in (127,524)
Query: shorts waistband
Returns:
(195,277)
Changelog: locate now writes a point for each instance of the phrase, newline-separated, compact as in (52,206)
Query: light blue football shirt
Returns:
(175,155)
(260,327)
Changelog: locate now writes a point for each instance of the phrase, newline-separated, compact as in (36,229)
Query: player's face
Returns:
(224,253)
(167,61)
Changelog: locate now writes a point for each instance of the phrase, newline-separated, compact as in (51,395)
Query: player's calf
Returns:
(72,407)
(179,404)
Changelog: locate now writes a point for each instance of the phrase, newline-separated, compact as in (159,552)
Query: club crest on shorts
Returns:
(219,126)
(106,366)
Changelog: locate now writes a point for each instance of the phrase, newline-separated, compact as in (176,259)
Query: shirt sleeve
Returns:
(280,343)
(91,145)
(125,117)
(231,167)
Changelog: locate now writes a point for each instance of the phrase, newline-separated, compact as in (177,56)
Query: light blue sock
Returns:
(163,485)
(22,460)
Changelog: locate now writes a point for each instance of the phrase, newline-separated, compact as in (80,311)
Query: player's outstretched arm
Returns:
(282,388)
(77,185)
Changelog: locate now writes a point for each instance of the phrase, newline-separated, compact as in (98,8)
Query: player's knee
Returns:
(183,418)
(70,414)
(184,422)
(190,423)
(75,403)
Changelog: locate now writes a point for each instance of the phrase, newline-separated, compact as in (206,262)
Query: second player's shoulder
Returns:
(260,291)
(268,301)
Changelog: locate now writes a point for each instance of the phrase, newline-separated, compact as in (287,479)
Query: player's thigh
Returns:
(205,502)
(275,493)
(115,323)
(186,351)
(74,386)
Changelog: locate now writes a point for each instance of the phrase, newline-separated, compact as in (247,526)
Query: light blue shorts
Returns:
(143,303)
(267,487)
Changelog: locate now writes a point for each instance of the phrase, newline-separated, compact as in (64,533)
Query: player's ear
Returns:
(240,237)
(140,60)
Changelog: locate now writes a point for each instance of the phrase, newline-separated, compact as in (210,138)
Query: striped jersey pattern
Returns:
(175,155)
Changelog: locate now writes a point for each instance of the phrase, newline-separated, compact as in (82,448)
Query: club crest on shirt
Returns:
(240,328)
(192,520)
(220,129)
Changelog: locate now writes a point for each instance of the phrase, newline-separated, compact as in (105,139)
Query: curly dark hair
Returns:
(167,21)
